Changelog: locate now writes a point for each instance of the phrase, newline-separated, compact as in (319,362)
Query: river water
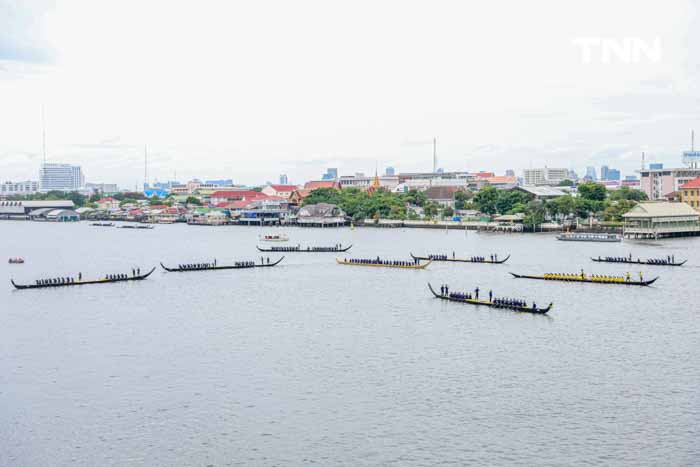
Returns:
(311,362)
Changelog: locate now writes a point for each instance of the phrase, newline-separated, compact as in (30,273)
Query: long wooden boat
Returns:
(97,281)
(138,227)
(637,261)
(589,237)
(215,268)
(523,309)
(298,249)
(579,279)
(410,266)
(460,260)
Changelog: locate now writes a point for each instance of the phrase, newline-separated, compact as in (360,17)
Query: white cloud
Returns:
(251,89)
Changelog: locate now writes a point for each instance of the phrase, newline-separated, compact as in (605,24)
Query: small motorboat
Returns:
(17,260)
(274,238)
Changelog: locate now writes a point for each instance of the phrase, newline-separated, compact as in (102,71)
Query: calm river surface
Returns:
(312,362)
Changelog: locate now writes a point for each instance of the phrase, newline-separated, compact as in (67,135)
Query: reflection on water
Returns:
(314,362)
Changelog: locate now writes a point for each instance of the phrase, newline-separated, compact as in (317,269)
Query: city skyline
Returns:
(207,106)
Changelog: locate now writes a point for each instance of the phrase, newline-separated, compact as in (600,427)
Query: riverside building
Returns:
(60,177)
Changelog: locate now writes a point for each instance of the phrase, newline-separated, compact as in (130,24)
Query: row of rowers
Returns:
(593,277)
(382,262)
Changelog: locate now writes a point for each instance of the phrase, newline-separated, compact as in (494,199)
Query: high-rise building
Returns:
(656,166)
(60,177)
(284,180)
(331,174)
(613,174)
(390,171)
(604,172)
(510,173)
(544,176)
(591,174)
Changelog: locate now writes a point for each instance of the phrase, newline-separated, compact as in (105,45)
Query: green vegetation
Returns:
(359,204)
(592,199)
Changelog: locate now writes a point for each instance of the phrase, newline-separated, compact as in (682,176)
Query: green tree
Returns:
(509,198)
(126,201)
(448,212)
(562,206)
(592,191)
(193,200)
(430,209)
(323,195)
(535,214)
(486,200)
(462,198)
(627,193)
(415,197)
(566,182)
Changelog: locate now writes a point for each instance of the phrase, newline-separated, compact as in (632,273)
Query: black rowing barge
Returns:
(459,260)
(299,249)
(126,278)
(522,309)
(578,278)
(649,262)
(211,267)
(137,227)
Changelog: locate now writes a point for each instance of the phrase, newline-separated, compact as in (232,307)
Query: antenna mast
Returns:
(642,160)
(434,155)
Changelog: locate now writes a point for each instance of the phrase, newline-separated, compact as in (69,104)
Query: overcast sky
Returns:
(249,90)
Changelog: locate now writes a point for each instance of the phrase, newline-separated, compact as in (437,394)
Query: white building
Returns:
(544,176)
(360,181)
(19,188)
(60,177)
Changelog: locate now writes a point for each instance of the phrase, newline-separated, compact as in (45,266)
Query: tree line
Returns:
(592,199)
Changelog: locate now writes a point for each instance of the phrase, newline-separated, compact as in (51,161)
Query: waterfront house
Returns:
(54,215)
(268,210)
(283,191)
(229,196)
(21,209)
(661,219)
(321,215)
(297,196)
(107,204)
(690,193)
(442,195)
